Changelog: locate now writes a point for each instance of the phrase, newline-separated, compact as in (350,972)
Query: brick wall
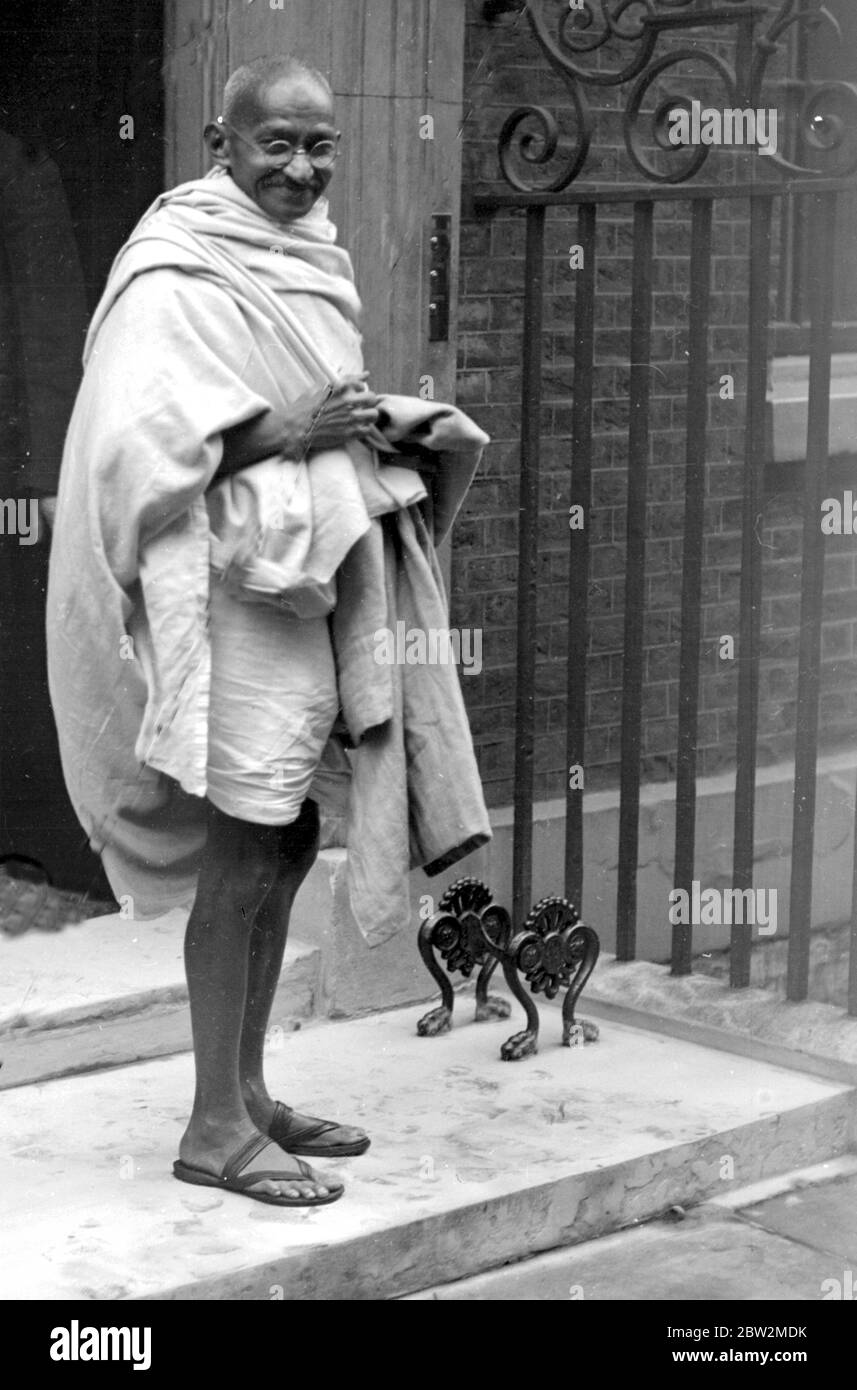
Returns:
(505,68)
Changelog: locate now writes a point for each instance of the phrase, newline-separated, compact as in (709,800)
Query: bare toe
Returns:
(347,1134)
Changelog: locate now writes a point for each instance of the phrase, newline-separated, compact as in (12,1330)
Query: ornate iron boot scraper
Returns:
(554,950)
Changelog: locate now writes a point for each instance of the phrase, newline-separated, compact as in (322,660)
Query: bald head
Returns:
(245,92)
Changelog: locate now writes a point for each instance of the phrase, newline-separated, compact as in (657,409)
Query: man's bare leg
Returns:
(267,945)
(240,865)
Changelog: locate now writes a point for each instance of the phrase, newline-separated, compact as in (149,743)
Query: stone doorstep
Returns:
(474,1162)
(108,992)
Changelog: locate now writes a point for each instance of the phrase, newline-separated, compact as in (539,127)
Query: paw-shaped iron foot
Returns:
(582,1031)
(436,1021)
(493,1006)
(520,1045)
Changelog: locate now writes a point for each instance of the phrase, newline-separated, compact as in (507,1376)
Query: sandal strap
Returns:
(282,1129)
(239,1160)
(233,1172)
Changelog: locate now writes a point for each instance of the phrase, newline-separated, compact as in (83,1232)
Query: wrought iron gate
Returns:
(542,168)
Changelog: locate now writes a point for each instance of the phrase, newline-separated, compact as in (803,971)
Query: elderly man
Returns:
(238,514)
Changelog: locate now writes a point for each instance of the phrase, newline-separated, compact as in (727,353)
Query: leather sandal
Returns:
(307,1138)
(233,1179)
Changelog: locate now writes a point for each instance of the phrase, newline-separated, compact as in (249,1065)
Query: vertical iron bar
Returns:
(799,260)
(749,638)
(578,557)
(528,522)
(691,584)
(811,597)
(635,568)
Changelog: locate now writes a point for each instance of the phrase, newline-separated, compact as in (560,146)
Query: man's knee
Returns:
(299,841)
(242,859)
(250,858)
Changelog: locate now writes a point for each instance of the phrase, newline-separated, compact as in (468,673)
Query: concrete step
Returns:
(797,1241)
(108,991)
(474,1162)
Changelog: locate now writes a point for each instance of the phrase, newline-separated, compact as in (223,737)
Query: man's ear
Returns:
(217,143)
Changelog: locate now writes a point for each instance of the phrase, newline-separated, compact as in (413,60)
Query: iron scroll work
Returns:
(554,950)
(611,43)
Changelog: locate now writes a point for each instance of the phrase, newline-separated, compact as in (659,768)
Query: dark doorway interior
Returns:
(81,156)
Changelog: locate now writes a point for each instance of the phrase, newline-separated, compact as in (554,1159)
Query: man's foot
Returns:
(306,1134)
(246,1161)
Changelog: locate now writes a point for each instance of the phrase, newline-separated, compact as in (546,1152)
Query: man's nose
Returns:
(299,167)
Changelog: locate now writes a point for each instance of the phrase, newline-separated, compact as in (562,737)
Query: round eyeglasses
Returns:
(280,153)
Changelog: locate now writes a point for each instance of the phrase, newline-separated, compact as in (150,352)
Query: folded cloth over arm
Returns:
(450,439)
(270,547)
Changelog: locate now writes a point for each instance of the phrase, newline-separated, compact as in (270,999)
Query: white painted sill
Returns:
(788,406)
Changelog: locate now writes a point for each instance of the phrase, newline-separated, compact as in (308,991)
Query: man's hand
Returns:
(321,419)
(346,411)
